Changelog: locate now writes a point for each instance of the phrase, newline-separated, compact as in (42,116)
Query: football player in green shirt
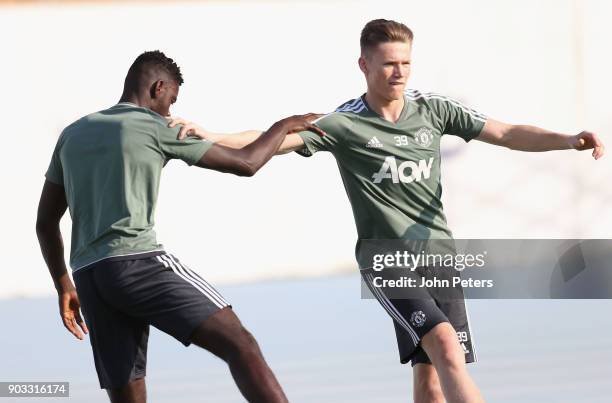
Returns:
(106,169)
(387,146)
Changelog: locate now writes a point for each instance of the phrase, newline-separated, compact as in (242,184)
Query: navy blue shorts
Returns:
(121,297)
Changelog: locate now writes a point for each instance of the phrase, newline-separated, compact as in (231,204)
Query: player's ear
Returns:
(156,89)
(362,64)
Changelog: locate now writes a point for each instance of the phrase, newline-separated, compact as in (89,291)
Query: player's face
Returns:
(165,95)
(387,68)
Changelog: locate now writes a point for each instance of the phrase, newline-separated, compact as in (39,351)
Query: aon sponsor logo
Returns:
(406,172)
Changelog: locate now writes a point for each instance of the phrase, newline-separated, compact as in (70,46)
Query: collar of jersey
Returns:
(128,104)
(138,106)
(402,116)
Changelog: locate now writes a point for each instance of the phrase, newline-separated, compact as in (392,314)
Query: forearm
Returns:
(234,140)
(531,138)
(52,248)
(259,151)
(247,160)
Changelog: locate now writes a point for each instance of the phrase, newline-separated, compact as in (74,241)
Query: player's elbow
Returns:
(498,133)
(246,173)
(506,140)
(245,168)
(41,225)
(44,225)
(503,139)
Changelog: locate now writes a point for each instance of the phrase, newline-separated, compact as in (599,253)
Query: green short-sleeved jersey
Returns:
(391,171)
(110,165)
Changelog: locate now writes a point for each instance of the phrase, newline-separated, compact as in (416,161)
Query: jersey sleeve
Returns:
(314,142)
(459,120)
(55,172)
(190,149)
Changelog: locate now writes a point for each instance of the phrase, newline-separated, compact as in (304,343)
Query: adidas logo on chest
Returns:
(374,143)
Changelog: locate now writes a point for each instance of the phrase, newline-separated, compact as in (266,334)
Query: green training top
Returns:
(391,171)
(109,164)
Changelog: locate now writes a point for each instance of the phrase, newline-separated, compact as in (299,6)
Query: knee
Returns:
(428,391)
(442,345)
(133,392)
(224,336)
(243,343)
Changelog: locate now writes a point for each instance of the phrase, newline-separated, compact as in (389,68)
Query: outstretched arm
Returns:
(251,156)
(531,138)
(231,140)
(292,142)
(51,208)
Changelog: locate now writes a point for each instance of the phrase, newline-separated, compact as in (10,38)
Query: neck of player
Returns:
(135,99)
(389,110)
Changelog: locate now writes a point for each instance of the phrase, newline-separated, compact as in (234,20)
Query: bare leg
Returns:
(223,335)
(426,388)
(442,347)
(133,392)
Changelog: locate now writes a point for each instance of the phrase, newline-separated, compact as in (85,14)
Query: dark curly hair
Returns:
(150,61)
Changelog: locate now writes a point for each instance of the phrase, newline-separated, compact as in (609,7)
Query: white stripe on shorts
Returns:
(386,303)
(198,279)
(177,271)
(467,315)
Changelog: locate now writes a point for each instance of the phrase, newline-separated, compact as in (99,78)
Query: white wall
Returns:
(249,64)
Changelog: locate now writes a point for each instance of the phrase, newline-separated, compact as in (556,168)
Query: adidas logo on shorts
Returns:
(374,143)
